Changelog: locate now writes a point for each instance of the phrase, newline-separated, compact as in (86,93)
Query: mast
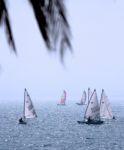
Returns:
(24,104)
(89,94)
(101,97)
(85,96)
(88,102)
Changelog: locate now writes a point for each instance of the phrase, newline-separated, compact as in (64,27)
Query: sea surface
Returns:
(56,128)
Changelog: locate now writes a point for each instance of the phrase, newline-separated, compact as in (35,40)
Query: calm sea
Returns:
(56,128)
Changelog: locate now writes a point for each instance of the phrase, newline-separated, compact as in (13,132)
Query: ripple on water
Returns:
(56,128)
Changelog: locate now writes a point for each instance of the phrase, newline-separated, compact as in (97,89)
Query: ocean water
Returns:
(56,128)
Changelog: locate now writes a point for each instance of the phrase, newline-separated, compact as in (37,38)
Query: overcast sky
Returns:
(97,61)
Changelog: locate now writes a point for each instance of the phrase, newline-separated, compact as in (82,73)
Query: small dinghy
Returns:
(83,99)
(92,113)
(28,109)
(105,107)
(63,98)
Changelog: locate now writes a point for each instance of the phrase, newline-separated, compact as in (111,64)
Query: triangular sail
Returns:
(89,94)
(83,98)
(63,98)
(93,109)
(29,111)
(105,108)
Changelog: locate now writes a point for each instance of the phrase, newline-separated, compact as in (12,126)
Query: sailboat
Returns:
(92,113)
(105,108)
(28,108)
(63,98)
(83,99)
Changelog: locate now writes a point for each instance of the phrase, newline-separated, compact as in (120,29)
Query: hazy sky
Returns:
(98,43)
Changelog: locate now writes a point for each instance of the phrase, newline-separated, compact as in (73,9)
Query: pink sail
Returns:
(63,98)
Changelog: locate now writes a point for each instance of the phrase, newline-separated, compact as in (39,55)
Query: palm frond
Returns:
(4,17)
(37,6)
(1,10)
(52,21)
(54,27)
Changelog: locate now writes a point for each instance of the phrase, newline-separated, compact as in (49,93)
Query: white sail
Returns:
(89,94)
(29,111)
(84,97)
(63,98)
(105,108)
(93,109)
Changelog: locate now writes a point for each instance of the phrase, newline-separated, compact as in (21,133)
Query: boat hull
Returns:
(91,122)
(24,123)
(61,104)
(80,104)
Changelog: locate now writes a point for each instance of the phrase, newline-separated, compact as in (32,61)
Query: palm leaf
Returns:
(37,6)
(52,21)
(4,17)
(1,10)
(51,18)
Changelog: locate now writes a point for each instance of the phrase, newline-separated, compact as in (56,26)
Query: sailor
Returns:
(113,117)
(21,120)
(89,120)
